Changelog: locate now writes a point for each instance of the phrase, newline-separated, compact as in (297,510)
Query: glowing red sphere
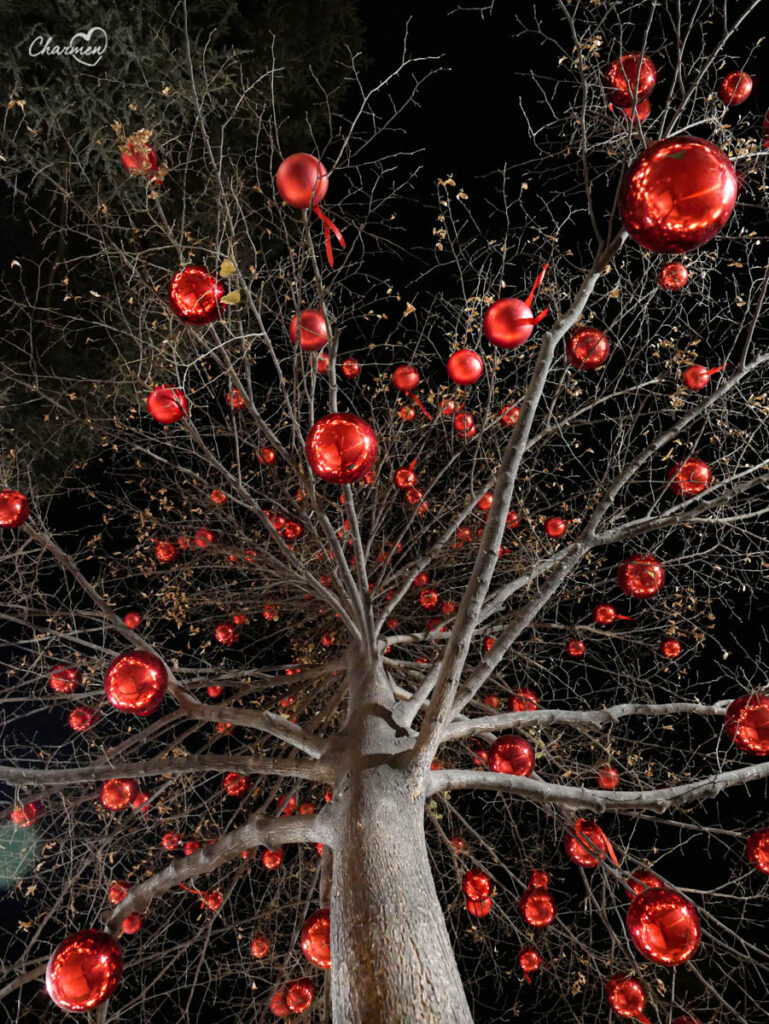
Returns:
(341,448)
(642,880)
(671,648)
(132,619)
(663,926)
(350,368)
(405,378)
(27,814)
(84,970)
(476,885)
(170,840)
(82,718)
(302,181)
(696,377)
(272,859)
(587,348)
(575,648)
(735,88)
(259,946)
(508,323)
(309,329)
(167,405)
(117,794)
(139,159)
(692,476)
(404,478)
(524,699)
(555,527)
(673,277)
(14,509)
(315,938)
(464,424)
(225,634)
(537,907)
(465,367)
(758,850)
(747,724)
(65,679)
(136,682)
(132,923)
(117,892)
(630,79)
(607,777)
(626,996)
(529,961)
(641,576)
(511,755)
(605,614)
(479,908)
(194,296)
(235,784)
(678,194)
(587,845)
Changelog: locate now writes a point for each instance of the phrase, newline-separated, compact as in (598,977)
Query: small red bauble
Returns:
(84,970)
(140,159)
(211,900)
(214,691)
(464,424)
(735,88)
(82,718)
(428,598)
(405,378)
(529,961)
(166,552)
(14,509)
(309,329)
(587,348)
(607,777)
(235,784)
(170,840)
(315,938)
(194,296)
(65,680)
(537,907)
(272,859)
(630,79)
(509,416)
(479,908)
(27,814)
(670,648)
(627,997)
(350,368)
(555,527)
(404,478)
(476,885)
(132,923)
(696,377)
(575,648)
(511,755)
(190,847)
(341,448)
(225,634)
(641,576)
(117,794)
(485,502)
(747,724)
(605,614)
(663,926)
(167,405)
(235,400)
(259,946)
(132,619)
(673,277)
(136,682)
(642,880)
(587,845)
(302,181)
(299,995)
(117,892)
(692,476)
(758,850)
(508,323)
(465,367)
(322,362)
(524,699)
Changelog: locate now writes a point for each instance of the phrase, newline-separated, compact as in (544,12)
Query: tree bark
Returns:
(390,949)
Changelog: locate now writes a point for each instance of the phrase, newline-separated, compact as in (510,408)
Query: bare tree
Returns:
(348,651)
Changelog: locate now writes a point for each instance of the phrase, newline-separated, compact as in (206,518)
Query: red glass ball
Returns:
(64,679)
(692,476)
(464,424)
(639,113)
(14,509)
(758,850)
(299,995)
(524,699)
(604,614)
(341,448)
(167,405)
(272,859)
(663,926)
(673,277)
(696,377)
(235,400)
(82,718)
(27,814)
(537,907)
(315,938)
(166,552)
(587,348)
(642,880)
(735,88)
(747,724)
(214,691)
(508,323)
(476,885)
(511,755)
(138,159)
(479,908)
(170,840)
(405,378)
(117,892)
(132,923)
(587,845)
(641,576)
(575,648)
(529,960)
(194,296)
(626,996)
(555,527)
(225,634)
(117,794)
(677,194)
(259,946)
(630,77)
(132,619)
(302,181)
(509,416)
(84,970)
(429,599)
(311,327)
(235,784)
(204,538)
(465,367)
(350,368)
(607,777)
(404,478)
(136,682)
(670,648)
(190,847)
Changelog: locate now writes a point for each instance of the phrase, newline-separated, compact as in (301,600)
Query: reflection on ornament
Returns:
(747,724)
(511,755)
(341,448)
(84,970)
(663,926)
(136,682)
(630,78)
(195,296)
(315,938)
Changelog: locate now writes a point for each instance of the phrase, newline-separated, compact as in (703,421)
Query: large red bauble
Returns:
(672,277)
(508,323)
(626,997)
(587,348)
(479,908)
(64,679)
(302,181)
(747,724)
(735,88)
(691,476)
(405,378)
(476,885)
(630,78)
(663,926)
(758,850)
(511,755)
(341,448)
(84,970)
(14,509)
(316,938)
(167,405)
(537,907)
(641,576)
(194,296)
(588,845)
(465,367)
(311,327)
(117,794)
(677,194)
(136,682)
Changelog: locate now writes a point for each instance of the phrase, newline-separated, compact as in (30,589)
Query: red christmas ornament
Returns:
(65,680)
(82,718)
(429,599)
(588,844)
(464,424)
(663,926)
(509,416)
(117,892)
(166,552)
(529,961)
(140,160)
(170,840)
(511,755)
(309,329)
(167,405)
(524,699)
(404,478)
(141,802)
(117,794)
(259,946)
(204,538)
(132,923)
(642,880)
(465,367)
(747,724)
(696,377)
(555,527)
(315,938)
(587,348)
(272,859)
(84,970)
(536,905)
(190,847)
(678,194)
(508,323)
(235,784)
(673,277)
(214,691)
(136,682)
(341,448)
(27,814)
(605,614)
(132,619)
(692,476)
(758,850)
(235,400)
(294,997)
(405,378)
(627,997)
(630,79)
(639,113)
(350,368)
(641,576)
(476,885)
(225,634)
(479,908)
(14,509)
(302,182)
(194,296)
(485,502)
(735,88)
(670,648)
(607,777)
(575,648)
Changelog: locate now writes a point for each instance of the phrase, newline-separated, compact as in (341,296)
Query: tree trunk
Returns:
(391,954)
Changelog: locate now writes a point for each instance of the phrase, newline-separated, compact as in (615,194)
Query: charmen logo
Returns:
(86,47)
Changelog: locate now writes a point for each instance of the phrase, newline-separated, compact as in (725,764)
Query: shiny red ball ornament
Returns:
(485,501)
(235,400)
(555,526)
(136,682)
(524,699)
(465,367)
(464,424)
(117,794)
(302,181)
(65,680)
(476,885)
(587,844)
(167,405)
(508,323)
(140,160)
(211,900)
(642,880)
(605,614)
(627,997)
(166,552)
(735,88)
(204,538)
(696,377)
(350,368)
(214,691)
(132,923)
(747,724)
(509,416)
(638,113)
(758,850)
(190,847)
(677,194)
(575,648)
(259,946)
(194,296)
(607,777)
(84,970)
(479,908)
(225,634)
(429,598)
(641,576)
(692,476)
(299,995)
(673,277)
(537,907)
(404,478)
(630,79)
(663,926)
(14,509)
(235,784)
(272,859)
(27,814)
(309,329)
(117,892)
(670,648)
(132,619)
(529,961)
(511,755)
(82,718)
(405,378)
(170,840)
(587,348)
(315,938)
(341,448)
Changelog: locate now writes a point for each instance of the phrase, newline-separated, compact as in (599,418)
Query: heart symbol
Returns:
(99,44)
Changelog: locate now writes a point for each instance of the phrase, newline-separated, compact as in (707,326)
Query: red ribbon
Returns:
(537,282)
(328,227)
